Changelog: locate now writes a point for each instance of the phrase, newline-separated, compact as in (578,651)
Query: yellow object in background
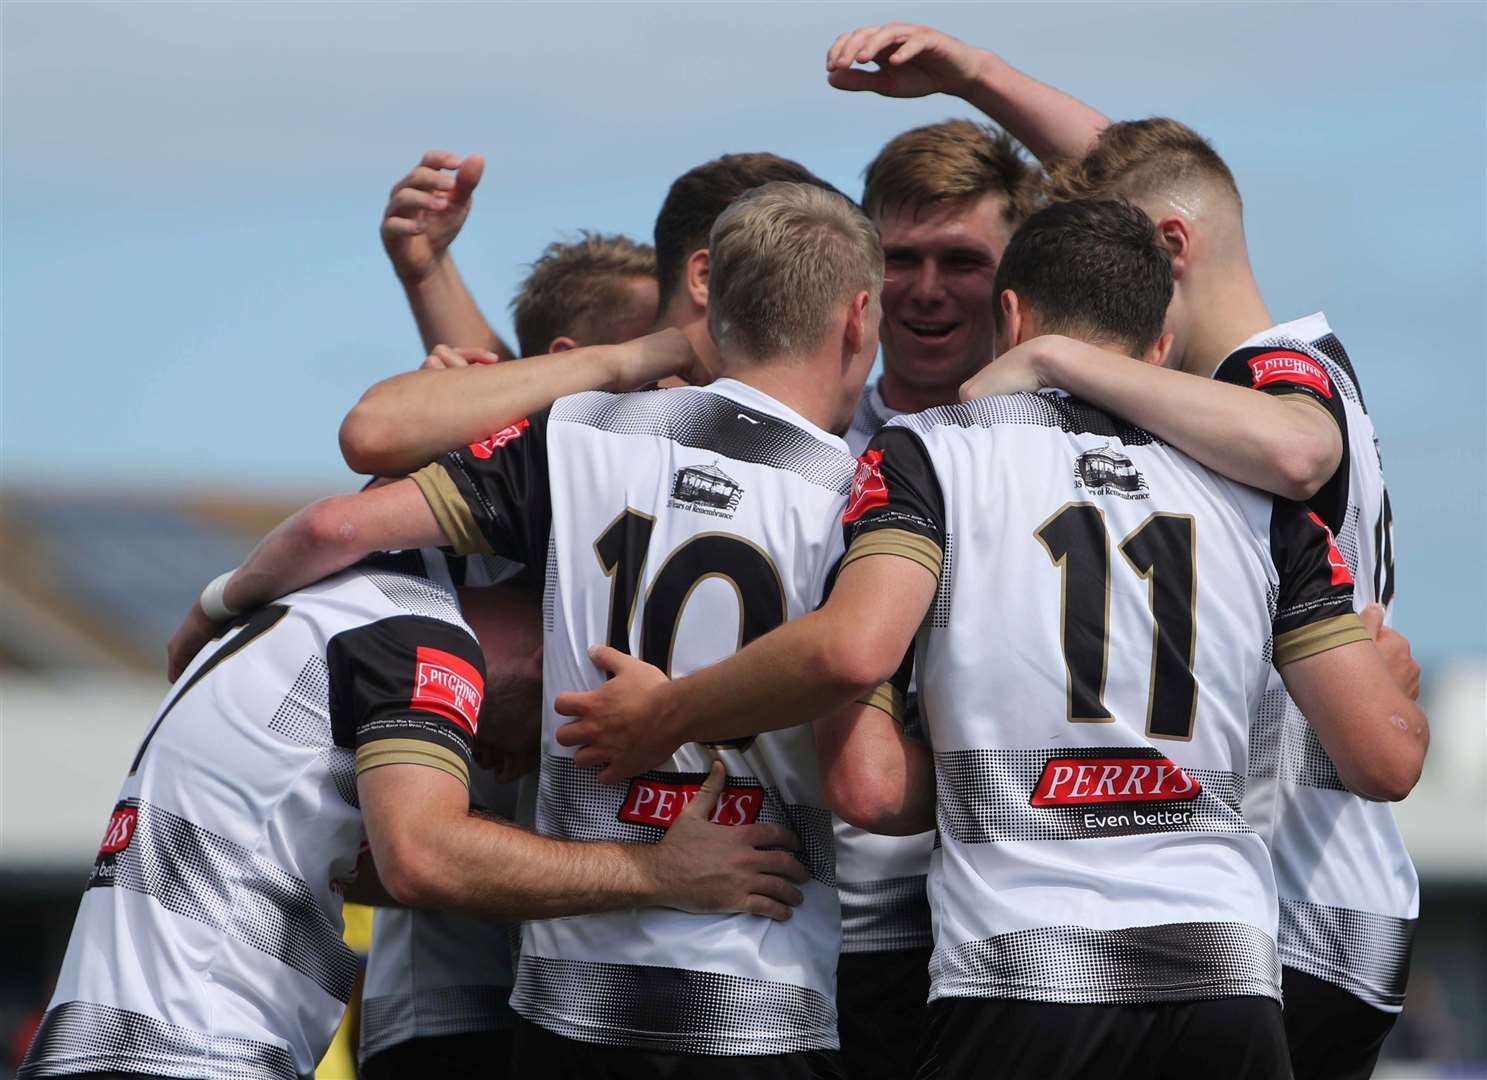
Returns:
(339,1062)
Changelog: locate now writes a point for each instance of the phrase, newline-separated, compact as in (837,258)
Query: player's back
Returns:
(684,524)
(1100,640)
(208,941)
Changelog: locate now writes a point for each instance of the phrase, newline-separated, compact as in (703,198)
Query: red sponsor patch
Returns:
(1290,367)
(485,449)
(120,830)
(657,802)
(1078,781)
(445,684)
(868,489)
(1341,575)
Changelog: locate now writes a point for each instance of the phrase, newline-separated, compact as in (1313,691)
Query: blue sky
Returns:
(194,292)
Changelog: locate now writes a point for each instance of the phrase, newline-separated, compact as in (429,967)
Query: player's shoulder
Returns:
(383,586)
(1048,410)
(1305,351)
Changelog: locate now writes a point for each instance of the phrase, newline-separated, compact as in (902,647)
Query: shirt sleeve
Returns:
(1314,611)
(1287,373)
(407,690)
(493,497)
(896,507)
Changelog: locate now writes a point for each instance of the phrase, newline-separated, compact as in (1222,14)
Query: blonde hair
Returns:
(579,289)
(783,257)
(949,162)
(1137,159)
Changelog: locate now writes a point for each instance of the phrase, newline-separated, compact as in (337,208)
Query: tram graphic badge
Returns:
(1106,471)
(705,489)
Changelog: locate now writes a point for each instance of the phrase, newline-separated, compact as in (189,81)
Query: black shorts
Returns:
(1236,1038)
(479,1055)
(880,1000)
(1333,1034)
(540,1053)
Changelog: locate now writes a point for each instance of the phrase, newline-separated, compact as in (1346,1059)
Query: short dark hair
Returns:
(1091,268)
(951,162)
(699,195)
(579,289)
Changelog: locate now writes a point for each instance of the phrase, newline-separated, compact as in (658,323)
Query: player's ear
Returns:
(1174,234)
(1157,354)
(858,329)
(696,276)
(561,344)
(1010,325)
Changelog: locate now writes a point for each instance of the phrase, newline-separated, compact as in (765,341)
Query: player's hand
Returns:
(188,640)
(913,61)
(1015,371)
(447,356)
(426,211)
(665,354)
(617,727)
(1395,649)
(703,867)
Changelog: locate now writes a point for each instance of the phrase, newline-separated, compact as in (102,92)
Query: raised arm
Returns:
(914,61)
(1289,446)
(404,422)
(425,212)
(431,852)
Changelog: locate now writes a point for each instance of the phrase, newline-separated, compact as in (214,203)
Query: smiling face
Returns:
(939,296)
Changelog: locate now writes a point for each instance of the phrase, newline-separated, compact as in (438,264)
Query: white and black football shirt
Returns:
(1349,895)
(1102,635)
(676,525)
(208,941)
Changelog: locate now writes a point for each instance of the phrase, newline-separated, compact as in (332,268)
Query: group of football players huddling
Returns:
(689,707)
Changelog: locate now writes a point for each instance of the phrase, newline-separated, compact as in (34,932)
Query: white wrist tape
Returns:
(212,602)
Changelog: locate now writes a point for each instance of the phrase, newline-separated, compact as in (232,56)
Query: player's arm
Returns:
(806,669)
(874,775)
(914,61)
(407,421)
(425,212)
(1289,444)
(432,852)
(1374,733)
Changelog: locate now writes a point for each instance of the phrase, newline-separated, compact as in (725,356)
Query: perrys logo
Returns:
(869,490)
(1290,367)
(485,449)
(1079,781)
(445,684)
(1341,575)
(120,830)
(658,802)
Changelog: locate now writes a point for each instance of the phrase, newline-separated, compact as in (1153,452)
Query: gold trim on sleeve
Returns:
(1319,637)
(1313,402)
(887,697)
(411,752)
(451,511)
(900,542)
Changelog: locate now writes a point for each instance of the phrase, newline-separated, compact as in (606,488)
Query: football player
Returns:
(1101,903)
(679,523)
(335,721)
(1349,892)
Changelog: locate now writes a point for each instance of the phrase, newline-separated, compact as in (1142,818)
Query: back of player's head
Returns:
(1141,160)
(956,161)
(699,195)
(584,290)
(784,257)
(1090,269)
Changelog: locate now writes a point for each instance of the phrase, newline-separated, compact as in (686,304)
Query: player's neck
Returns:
(904,397)
(1233,311)
(796,383)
